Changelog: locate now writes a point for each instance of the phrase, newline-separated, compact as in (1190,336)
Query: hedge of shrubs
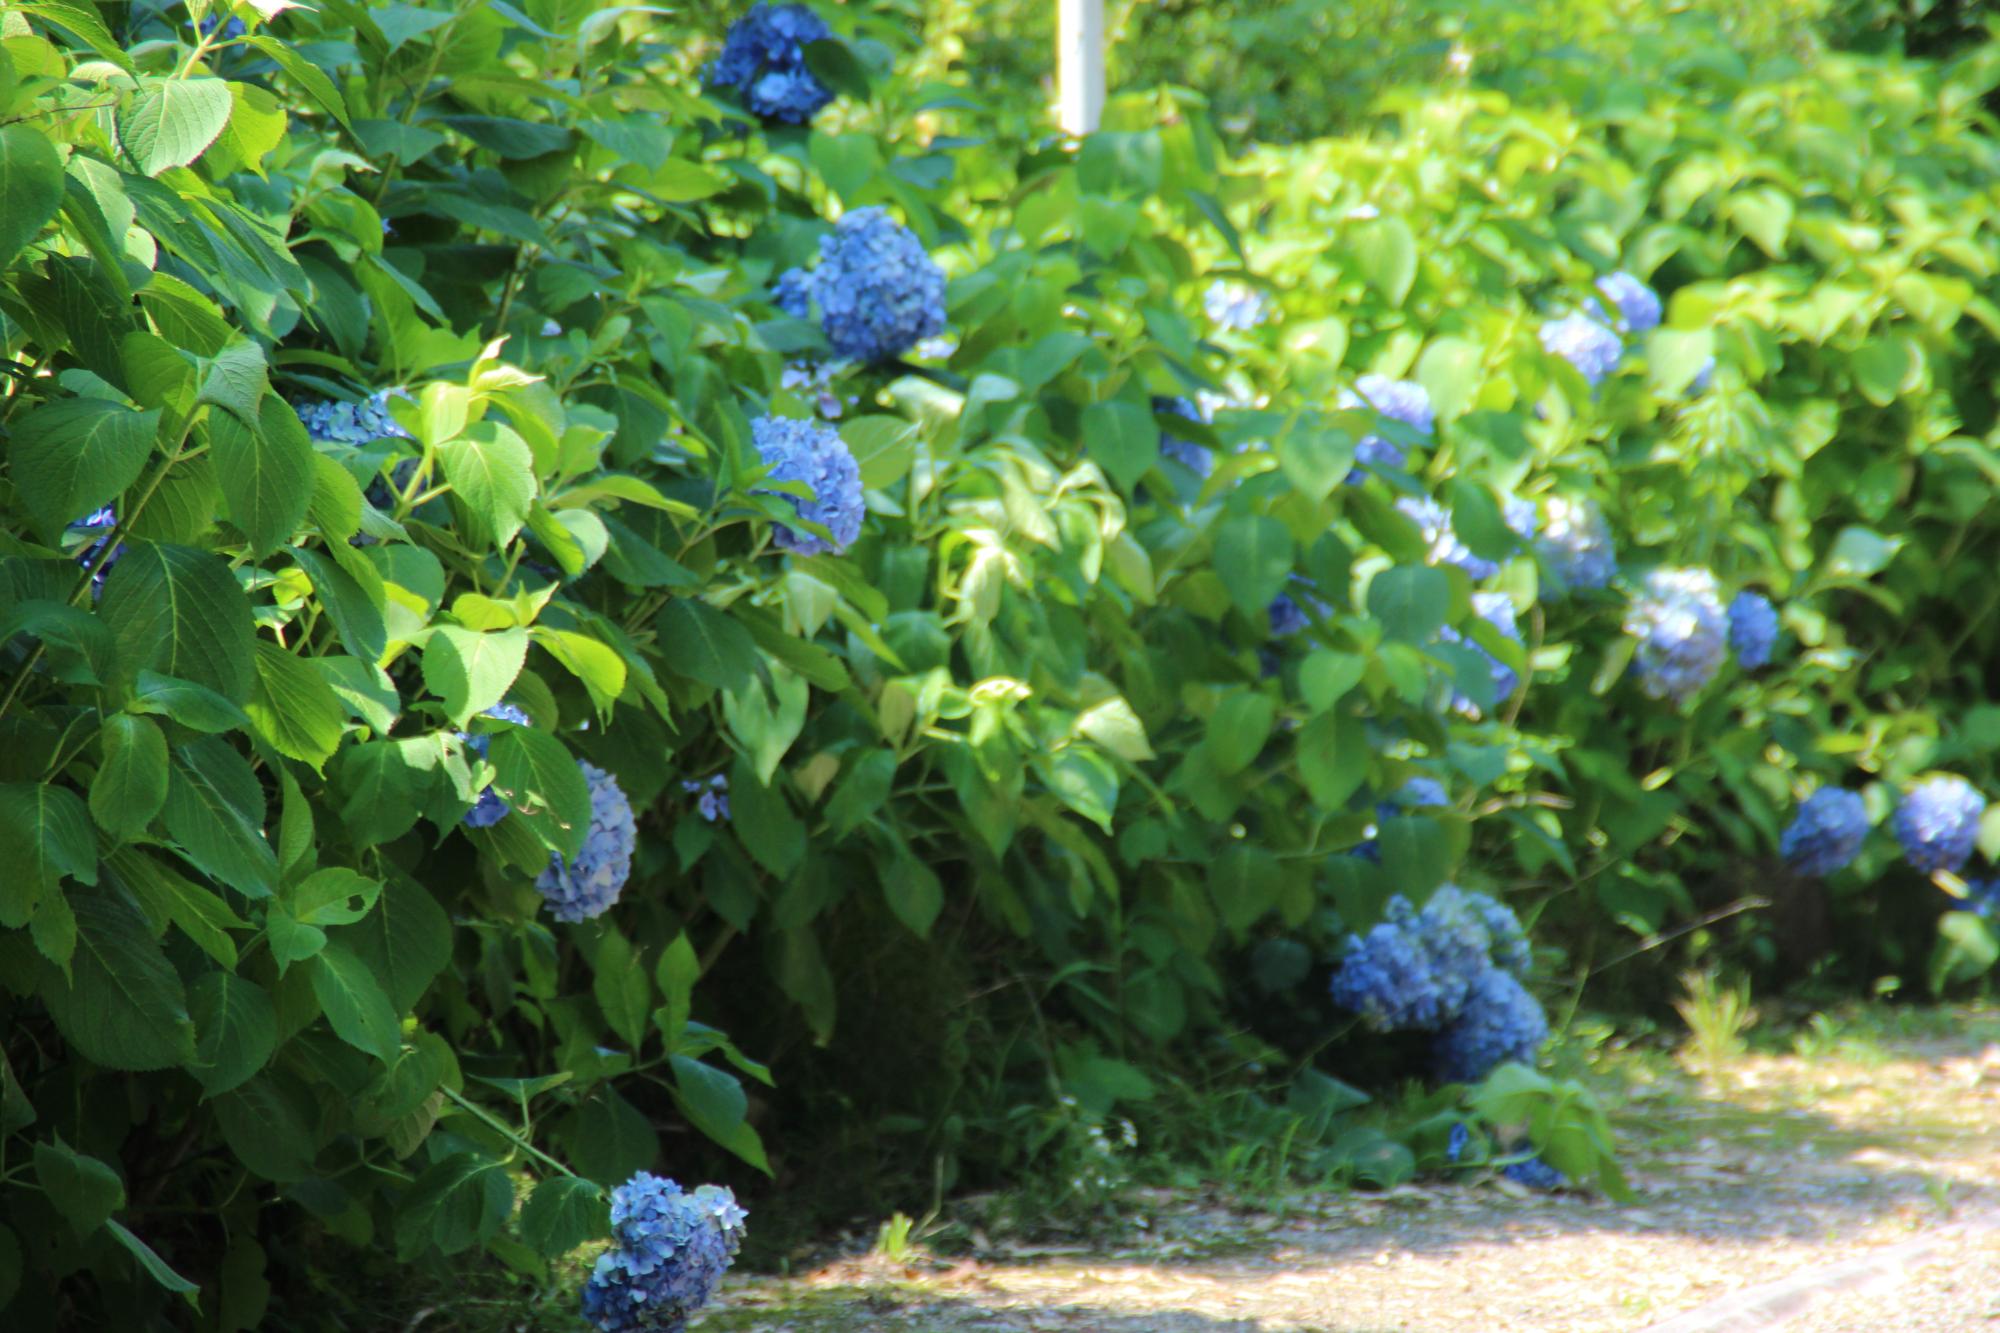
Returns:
(563,569)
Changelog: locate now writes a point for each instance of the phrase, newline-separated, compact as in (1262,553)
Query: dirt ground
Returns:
(1858,1189)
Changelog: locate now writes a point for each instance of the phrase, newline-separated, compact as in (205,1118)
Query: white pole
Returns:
(1080,64)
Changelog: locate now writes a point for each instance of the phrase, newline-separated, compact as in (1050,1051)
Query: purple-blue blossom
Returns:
(1938,822)
(1753,629)
(351,423)
(1233,305)
(1434,521)
(1982,898)
(1637,304)
(1499,1022)
(1497,610)
(1682,630)
(1399,400)
(1388,979)
(1826,834)
(669,1250)
(1576,543)
(1415,793)
(1585,343)
(878,290)
(585,888)
(805,451)
(490,808)
(712,796)
(764,59)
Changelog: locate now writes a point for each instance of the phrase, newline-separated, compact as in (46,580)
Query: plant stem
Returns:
(512,1137)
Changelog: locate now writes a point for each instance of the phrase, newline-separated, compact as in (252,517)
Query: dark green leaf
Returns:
(31,187)
(266,472)
(73,455)
(179,611)
(122,1004)
(215,813)
(236,1030)
(1253,554)
(705,644)
(84,1190)
(541,781)
(355,1003)
(563,1213)
(131,782)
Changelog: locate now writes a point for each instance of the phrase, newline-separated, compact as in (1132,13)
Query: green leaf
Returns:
(471,671)
(846,162)
(179,611)
(355,1003)
(862,792)
(165,896)
(45,837)
(1860,553)
(1449,370)
(355,610)
(236,1030)
(1965,949)
(1326,676)
(1083,780)
(1387,253)
(1411,601)
(306,74)
(764,821)
(1675,356)
(195,707)
(293,707)
(676,974)
(621,986)
(156,1267)
(1245,885)
(1333,759)
(84,1190)
(122,1005)
(265,1126)
(215,814)
(609,1139)
(380,790)
(915,895)
(705,644)
(31,187)
(236,378)
(541,781)
(591,661)
(1253,555)
(714,1102)
(170,122)
(1113,725)
(405,941)
(1315,460)
(266,472)
(883,446)
(492,472)
(73,455)
(563,1213)
(1883,368)
(1238,729)
(1122,439)
(131,782)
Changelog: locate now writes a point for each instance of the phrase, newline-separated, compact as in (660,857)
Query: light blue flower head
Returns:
(1938,822)
(764,59)
(1399,400)
(1827,832)
(1585,343)
(587,887)
(669,1250)
(1499,1022)
(808,452)
(1576,543)
(1753,629)
(1637,304)
(1682,630)
(879,292)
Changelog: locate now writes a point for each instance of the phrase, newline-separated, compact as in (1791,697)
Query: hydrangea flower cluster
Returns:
(878,290)
(587,887)
(1232,305)
(1682,631)
(811,379)
(1826,834)
(1185,452)
(351,423)
(1454,969)
(712,795)
(1938,821)
(1520,517)
(1288,613)
(1399,400)
(1576,542)
(1497,610)
(1415,793)
(490,809)
(669,1250)
(1585,343)
(1534,1173)
(101,522)
(1753,629)
(1637,304)
(1982,898)
(1434,521)
(764,59)
(808,452)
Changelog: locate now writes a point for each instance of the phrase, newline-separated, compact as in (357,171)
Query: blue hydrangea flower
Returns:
(1753,629)
(1583,342)
(1982,898)
(1434,521)
(764,59)
(587,888)
(1387,977)
(490,809)
(1500,1021)
(1682,630)
(669,1251)
(1451,929)
(1520,517)
(793,293)
(1293,612)
(1535,1174)
(712,794)
(1399,400)
(1232,305)
(808,452)
(1497,610)
(878,290)
(99,522)
(1827,832)
(231,29)
(1188,454)
(1576,542)
(1637,304)
(1509,946)
(814,380)
(351,423)
(1938,821)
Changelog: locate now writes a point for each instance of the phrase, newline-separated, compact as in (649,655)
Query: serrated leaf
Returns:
(131,782)
(156,1268)
(623,990)
(541,781)
(356,1005)
(74,455)
(122,1004)
(236,1030)
(179,611)
(406,941)
(1253,555)
(492,472)
(1411,601)
(171,122)
(293,707)
(563,1213)
(45,837)
(215,814)
(1122,439)
(84,1190)
(267,473)
(471,671)
(165,895)
(705,644)
(31,187)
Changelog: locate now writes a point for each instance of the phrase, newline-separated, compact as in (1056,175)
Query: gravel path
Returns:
(1857,1191)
